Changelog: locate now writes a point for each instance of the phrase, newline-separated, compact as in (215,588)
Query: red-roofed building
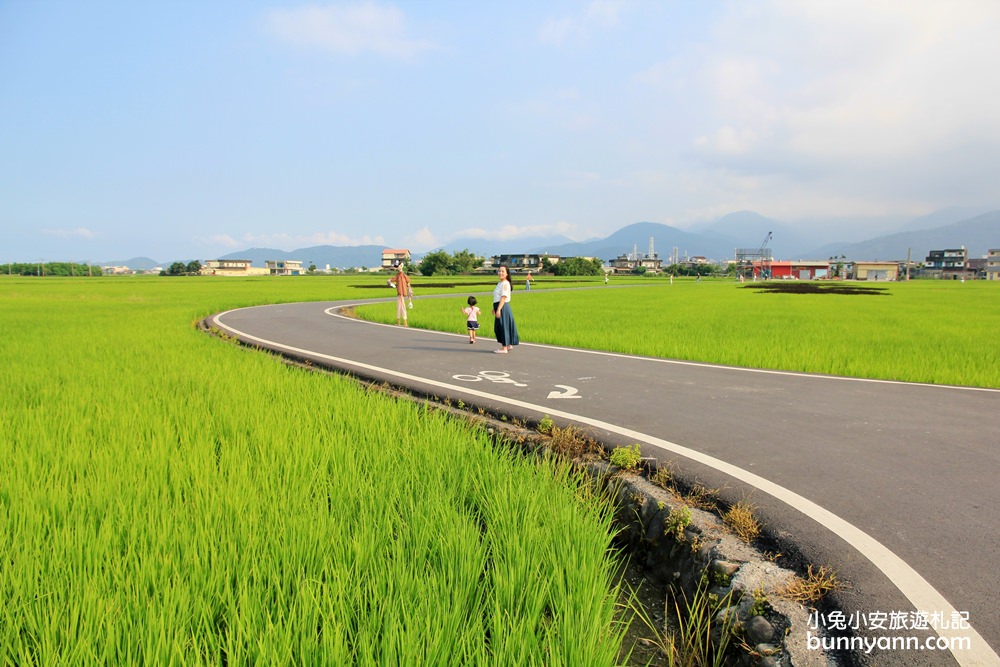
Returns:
(392,255)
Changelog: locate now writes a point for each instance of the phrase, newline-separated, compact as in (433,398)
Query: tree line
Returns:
(49,269)
(441,263)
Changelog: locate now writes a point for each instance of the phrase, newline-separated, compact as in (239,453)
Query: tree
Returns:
(437,262)
(193,267)
(578,266)
(465,261)
(441,263)
(176,269)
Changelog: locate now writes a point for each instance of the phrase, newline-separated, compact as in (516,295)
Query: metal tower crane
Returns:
(765,258)
(752,262)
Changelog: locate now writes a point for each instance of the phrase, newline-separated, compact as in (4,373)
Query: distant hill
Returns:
(636,237)
(746,229)
(716,240)
(944,217)
(977,234)
(136,263)
(338,257)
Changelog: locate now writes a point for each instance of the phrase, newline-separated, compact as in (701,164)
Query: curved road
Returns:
(894,485)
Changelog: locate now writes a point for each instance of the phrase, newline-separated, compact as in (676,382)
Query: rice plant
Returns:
(167,498)
(922,331)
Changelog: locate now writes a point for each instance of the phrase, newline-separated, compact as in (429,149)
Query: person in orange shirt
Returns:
(402,291)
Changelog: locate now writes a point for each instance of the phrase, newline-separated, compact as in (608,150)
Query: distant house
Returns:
(799,270)
(116,270)
(230,267)
(875,270)
(629,264)
(487,266)
(522,263)
(392,255)
(284,267)
(993,264)
(948,264)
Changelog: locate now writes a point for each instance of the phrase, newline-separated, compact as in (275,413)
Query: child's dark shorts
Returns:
(473,325)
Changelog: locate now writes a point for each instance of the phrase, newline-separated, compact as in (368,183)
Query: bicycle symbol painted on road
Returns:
(492,376)
(504,378)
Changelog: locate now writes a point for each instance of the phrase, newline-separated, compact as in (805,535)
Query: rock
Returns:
(758,630)
(728,614)
(769,653)
(725,567)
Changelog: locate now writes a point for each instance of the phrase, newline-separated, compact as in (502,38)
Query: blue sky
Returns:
(188,129)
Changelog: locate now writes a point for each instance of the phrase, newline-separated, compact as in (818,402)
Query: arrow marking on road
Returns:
(569,392)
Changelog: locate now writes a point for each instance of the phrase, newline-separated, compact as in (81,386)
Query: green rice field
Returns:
(942,332)
(170,498)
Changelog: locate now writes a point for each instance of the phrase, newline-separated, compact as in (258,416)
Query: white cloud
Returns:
(563,108)
(510,232)
(77,233)
(728,140)
(224,240)
(598,15)
(857,80)
(860,106)
(422,240)
(336,238)
(286,242)
(348,28)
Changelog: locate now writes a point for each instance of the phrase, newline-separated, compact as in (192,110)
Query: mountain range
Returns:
(720,239)
(717,240)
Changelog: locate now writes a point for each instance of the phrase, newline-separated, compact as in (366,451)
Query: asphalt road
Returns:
(894,485)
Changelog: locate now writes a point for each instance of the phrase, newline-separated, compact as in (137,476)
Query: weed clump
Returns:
(626,458)
(813,587)
(740,517)
(572,442)
(546,425)
(678,519)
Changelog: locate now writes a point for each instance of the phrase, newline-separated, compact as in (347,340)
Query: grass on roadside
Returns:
(167,498)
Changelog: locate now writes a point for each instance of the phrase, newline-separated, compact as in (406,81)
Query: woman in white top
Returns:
(504,326)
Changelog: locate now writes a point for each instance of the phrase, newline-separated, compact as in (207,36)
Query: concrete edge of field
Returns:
(775,630)
(707,548)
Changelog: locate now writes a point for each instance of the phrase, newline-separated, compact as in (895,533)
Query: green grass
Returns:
(167,498)
(940,332)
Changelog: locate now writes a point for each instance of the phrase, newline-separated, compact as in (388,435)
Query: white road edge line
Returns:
(918,590)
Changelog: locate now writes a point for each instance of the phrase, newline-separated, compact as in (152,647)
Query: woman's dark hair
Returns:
(472,300)
(507,278)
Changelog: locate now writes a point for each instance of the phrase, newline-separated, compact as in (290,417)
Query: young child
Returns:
(472,318)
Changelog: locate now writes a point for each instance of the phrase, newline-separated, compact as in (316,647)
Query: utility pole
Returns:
(908,251)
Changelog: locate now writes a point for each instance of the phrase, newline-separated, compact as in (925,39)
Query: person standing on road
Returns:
(402,291)
(472,318)
(504,326)
(527,282)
